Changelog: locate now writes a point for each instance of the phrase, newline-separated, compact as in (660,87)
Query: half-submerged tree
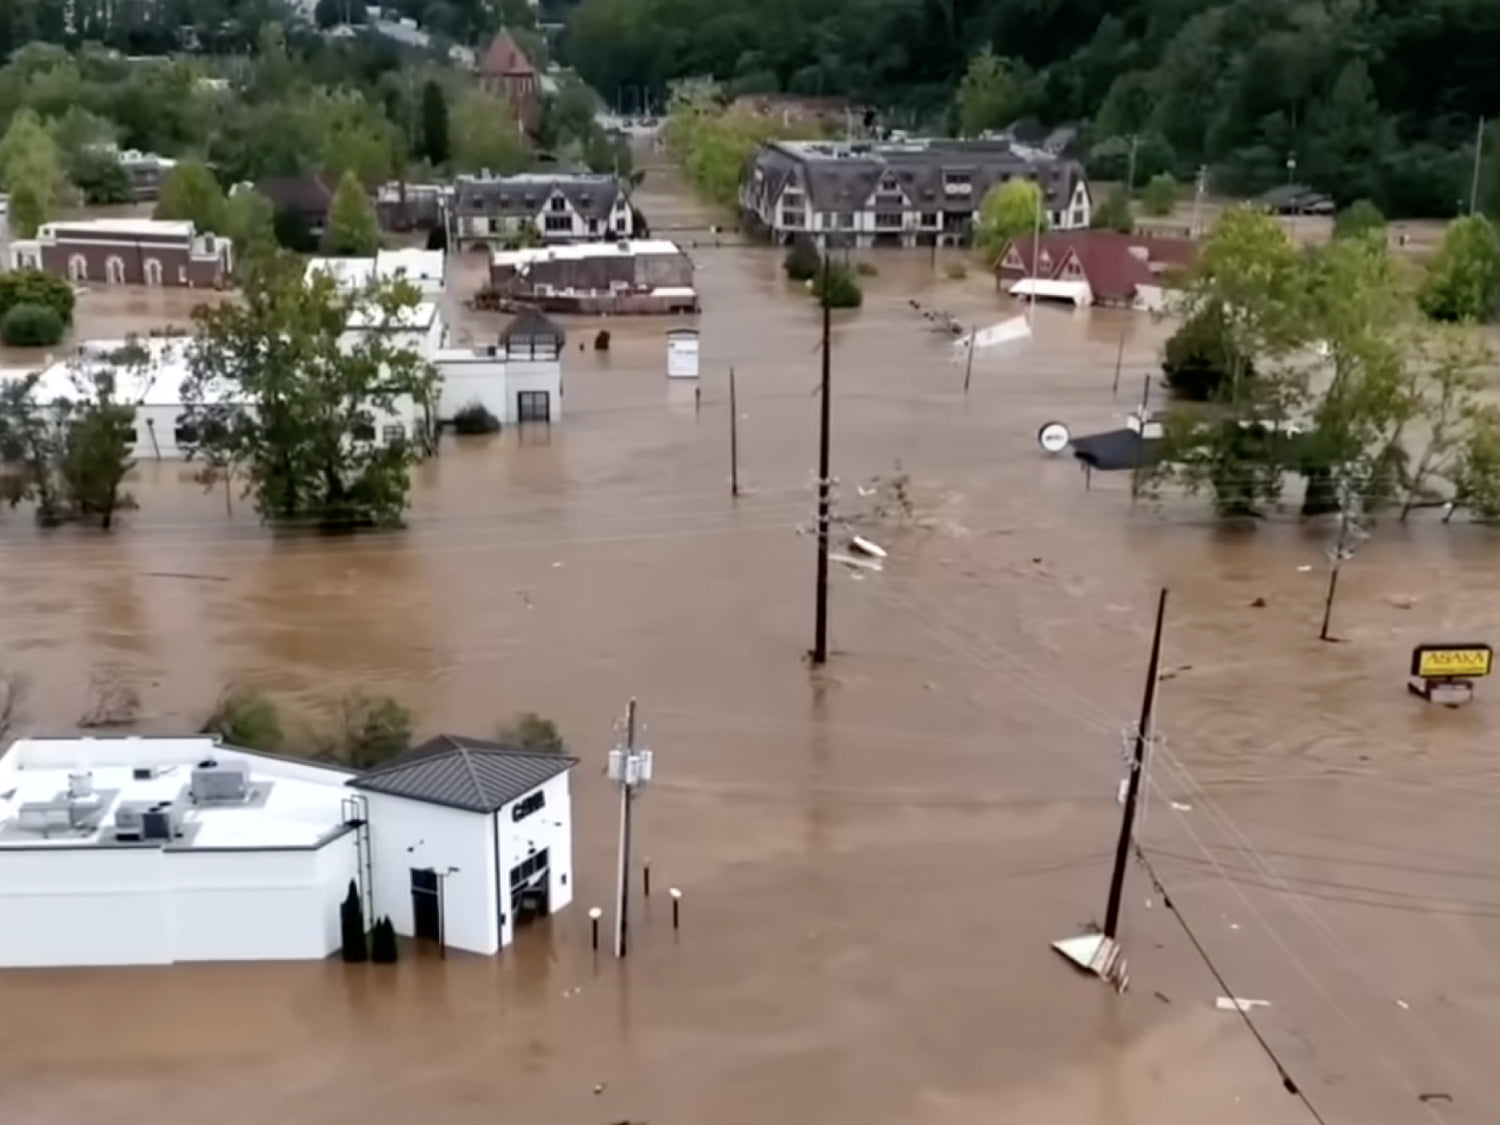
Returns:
(308,392)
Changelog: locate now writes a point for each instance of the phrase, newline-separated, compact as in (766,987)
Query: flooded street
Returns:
(873,860)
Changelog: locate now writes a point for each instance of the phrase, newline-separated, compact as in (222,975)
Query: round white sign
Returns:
(1053,437)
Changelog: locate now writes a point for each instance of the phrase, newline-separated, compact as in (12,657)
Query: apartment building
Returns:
(492,210)
(916,192)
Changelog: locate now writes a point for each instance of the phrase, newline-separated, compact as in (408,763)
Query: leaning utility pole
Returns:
(1143,737)
(825,424)
(1351,533)
(630,768)
(734,440)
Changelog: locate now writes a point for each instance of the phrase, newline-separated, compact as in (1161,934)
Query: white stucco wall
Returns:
(150,906)
(468,377)
(534,375)
(405,834)
(550,827)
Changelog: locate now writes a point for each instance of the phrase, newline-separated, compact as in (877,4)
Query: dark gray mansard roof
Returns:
(464,773)
(844,183)
(591,196)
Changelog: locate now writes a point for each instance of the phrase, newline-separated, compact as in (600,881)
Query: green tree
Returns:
(991,94)
(32,170)
(483,134)
(100,177)
(31,326)
(368,730)
(1199,360)
(33,436)
(1007,211)
(569,115)
(189,191)
(250,220)
(1463,281)
(33,287)
(1113,213)
(1359,219)
(1160,195)
(96,452)
(311,448)
(353,229)
(838,286)
(434,123)
(802,261)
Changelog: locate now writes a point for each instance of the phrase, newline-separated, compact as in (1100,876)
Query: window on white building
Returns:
(887,220)
(533,803)
(557,223)
(793,218)
(557,203)
(393,434)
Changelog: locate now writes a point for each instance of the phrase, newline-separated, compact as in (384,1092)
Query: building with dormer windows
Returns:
(919,192)
(491,211)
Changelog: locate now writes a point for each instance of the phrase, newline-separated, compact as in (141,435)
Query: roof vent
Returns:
(80,785)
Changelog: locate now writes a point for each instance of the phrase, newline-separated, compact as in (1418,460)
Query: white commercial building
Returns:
(424,269)
(517,380)
(137,851)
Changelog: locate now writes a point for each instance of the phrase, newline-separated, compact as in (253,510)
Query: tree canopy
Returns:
(1377,100)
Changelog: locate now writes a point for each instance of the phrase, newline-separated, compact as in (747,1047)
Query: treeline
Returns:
(1376,100)
(295,107)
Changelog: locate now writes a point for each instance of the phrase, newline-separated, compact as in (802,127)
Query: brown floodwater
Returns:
(873,859)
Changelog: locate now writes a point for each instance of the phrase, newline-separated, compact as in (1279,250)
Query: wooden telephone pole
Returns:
(825,424)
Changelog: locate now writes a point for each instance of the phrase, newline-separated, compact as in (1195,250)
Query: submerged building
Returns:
(150,851)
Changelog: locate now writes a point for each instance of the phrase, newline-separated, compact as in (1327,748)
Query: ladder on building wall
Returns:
(356,812)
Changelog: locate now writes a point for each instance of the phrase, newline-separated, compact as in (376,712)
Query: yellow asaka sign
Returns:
(1437,661)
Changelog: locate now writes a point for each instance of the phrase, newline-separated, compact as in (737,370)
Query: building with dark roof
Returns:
(899,193)
(492,210)
(505,69)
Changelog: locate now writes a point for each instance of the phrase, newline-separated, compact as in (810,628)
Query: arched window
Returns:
(153,271)
(78,268)
(114,270)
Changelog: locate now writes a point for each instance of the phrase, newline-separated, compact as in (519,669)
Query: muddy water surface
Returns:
(874,859)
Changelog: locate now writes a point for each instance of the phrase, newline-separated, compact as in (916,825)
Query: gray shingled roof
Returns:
(846,182)
(464,773)
(592,196)
(531,324)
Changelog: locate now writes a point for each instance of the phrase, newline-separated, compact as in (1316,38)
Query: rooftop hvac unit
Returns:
(128,820)
(80,784)
(160,821)
(43,816)
(217,782)
(82,810)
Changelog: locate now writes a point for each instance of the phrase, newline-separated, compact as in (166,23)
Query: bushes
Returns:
(246,718)
(352,927)
(32,287)
(1160,195)
(30,325)
(383,948)
(475,419)
(802,261)
(529,731)
(368,730)
(839,287)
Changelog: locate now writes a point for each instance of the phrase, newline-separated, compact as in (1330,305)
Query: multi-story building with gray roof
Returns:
(492,210)
(899,193)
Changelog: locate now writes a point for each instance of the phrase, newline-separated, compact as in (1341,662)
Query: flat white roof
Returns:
(155,382)
(178,227)
(347,273)
(415,318)
(1076,291)
(291,804)
(417,265)
(583,250)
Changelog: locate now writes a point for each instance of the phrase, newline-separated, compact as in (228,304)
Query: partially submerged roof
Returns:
(465,773)
(532,324)
(1115,450)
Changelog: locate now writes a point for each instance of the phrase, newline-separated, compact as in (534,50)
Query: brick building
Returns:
(128,252)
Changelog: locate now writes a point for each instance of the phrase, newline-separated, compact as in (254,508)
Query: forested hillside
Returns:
(1370,98)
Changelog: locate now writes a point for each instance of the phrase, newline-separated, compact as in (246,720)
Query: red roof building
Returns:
(505,69)
(1118,269)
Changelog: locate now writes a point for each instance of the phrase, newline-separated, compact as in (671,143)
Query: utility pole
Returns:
(630,768)
(1478,159)
(1351,533)
(1120,360)
(1143,737)
(969,363)
(825,424)
(1198,191)
(734,440)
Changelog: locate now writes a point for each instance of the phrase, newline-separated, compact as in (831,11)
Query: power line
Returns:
(1287,1081)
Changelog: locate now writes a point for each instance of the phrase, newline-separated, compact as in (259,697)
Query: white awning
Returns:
(1045,289)
(1005,332)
